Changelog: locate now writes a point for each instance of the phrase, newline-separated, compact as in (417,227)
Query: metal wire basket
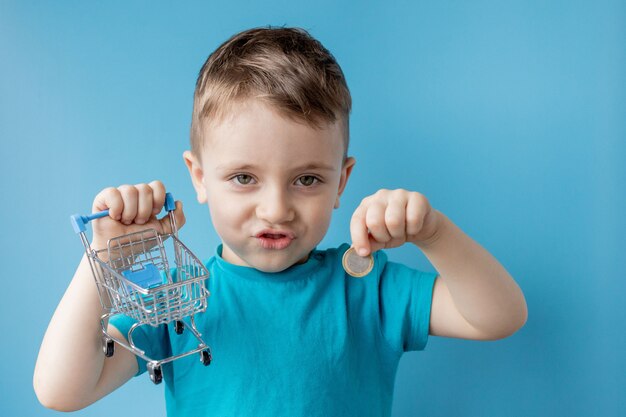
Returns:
(134,277)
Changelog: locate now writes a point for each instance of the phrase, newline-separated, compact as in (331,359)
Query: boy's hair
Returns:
(285,67)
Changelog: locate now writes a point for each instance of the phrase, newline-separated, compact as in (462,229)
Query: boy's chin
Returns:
(264,260)
(274,261)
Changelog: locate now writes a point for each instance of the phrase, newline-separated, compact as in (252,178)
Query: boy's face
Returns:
(271,184)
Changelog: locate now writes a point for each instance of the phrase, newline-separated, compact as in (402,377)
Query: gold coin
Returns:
(355,265)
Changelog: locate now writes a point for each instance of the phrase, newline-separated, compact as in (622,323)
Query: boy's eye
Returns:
(243,179)
(307,180)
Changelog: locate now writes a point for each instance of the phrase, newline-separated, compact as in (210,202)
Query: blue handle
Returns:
(169,202)
(79,221)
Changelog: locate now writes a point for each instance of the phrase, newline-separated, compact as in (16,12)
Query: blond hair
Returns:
(285,67)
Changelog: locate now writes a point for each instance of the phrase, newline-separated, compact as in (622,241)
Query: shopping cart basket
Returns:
(133,277)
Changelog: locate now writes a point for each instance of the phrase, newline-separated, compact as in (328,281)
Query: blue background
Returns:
(508,116)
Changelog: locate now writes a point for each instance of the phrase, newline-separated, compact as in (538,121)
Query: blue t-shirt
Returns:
(308,341)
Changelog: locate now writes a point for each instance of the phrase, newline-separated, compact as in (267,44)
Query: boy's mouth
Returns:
(275,239)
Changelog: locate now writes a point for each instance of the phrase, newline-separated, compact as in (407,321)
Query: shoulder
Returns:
(331,255)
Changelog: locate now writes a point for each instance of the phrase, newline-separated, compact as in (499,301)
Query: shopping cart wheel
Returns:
(179,326)
(108,347)
(205,357)
(155,373)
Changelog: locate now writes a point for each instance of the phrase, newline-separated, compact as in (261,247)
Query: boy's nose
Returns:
(275,207)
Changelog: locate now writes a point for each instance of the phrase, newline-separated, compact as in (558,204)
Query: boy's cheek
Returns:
(225,211)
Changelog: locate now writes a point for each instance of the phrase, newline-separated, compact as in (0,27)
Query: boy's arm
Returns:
(474,296)
(72,371)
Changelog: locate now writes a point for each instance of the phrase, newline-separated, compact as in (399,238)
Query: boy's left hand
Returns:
(390,218)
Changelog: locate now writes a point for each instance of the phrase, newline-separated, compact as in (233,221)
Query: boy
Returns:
(291,333)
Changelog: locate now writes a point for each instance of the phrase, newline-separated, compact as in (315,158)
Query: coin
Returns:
(355,265)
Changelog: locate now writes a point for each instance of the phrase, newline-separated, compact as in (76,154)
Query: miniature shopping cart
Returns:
(133,277)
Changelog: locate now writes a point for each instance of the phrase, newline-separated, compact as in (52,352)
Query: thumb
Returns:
(179,217)
(374,244)
(367,247)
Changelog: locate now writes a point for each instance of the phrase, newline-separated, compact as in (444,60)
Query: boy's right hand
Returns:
(132,208)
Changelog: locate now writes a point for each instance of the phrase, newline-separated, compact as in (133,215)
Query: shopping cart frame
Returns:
(159,304)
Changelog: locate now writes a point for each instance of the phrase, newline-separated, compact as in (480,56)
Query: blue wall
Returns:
(508,117)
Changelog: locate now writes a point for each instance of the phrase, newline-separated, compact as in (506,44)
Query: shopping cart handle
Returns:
(169,202)
(79,221)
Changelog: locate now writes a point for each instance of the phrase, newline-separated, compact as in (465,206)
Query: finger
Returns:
(144,203)
(375,221)
(158,195)
(415,210)
(395,216)
(130,197)
(358,231)
(109,199)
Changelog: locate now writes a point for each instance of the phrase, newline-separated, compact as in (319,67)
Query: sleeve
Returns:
(405,299)
(154,341)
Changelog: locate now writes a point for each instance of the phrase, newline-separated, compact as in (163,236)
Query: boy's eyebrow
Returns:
(233,166)
(315,166)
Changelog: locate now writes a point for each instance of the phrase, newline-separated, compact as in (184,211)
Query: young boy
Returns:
(291,333)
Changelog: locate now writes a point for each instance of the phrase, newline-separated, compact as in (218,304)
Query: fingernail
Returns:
(362,252)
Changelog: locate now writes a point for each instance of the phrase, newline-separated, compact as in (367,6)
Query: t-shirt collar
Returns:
(294,272)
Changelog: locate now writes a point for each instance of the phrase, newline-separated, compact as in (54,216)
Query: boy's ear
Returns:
(197,175)
(346,170)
